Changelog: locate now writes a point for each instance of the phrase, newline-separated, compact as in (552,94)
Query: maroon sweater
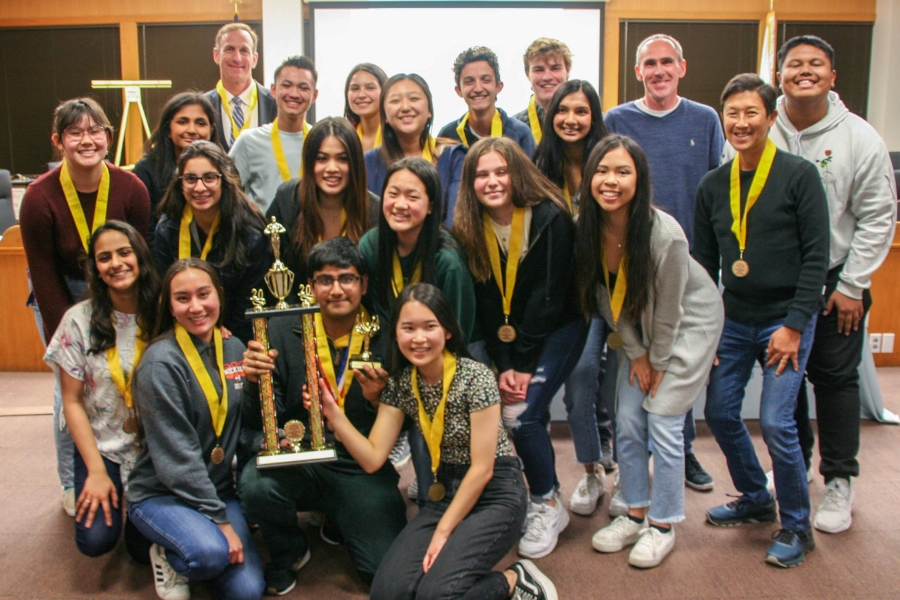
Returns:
(52,245)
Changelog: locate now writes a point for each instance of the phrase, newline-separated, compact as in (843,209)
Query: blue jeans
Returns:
(100,538)
(197,548)
(635,427)
(581,395)
(742,345)
(529,428)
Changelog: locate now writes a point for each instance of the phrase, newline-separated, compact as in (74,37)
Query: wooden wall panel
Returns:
(22,349)
(884,316)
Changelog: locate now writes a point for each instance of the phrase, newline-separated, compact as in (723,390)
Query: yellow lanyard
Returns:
(568,196)
(433,431)
(617,297)
(339,387)
(75,204)
(184,234)
(428,150)
(235,132)
(496,127)
(277,148)
(534,122)
(123,384)
(512,259)
(378,140)
(739,225)
(397,282)
(217,411)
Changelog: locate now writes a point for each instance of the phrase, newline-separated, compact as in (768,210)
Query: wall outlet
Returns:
(887,343)
(875,340)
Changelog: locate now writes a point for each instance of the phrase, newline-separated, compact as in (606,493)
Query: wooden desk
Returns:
(21,348)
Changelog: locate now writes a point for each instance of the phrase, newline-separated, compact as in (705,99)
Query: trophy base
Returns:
(359,363)
(286,459)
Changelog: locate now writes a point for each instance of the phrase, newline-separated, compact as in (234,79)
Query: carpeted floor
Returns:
(38,558)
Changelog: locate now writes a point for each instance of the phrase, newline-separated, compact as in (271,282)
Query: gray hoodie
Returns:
(859,181)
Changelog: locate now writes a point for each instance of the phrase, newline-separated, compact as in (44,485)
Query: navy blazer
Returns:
(268,110)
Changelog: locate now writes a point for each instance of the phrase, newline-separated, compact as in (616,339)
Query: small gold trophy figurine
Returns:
(367,329)
(279,280)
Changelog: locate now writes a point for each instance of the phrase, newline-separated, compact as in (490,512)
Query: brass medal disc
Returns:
(294,430)
(740,268)
(506,333)
(130,425)
(217,455)
(615,340)
(436,492)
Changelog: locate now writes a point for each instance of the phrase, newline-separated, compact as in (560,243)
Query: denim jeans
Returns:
(463,568)
(99,538)
(742,345)
(635,428)
(582,393)
(197,548)
(529,425)
(65,446)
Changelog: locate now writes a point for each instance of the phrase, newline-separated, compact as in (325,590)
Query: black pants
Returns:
(833,369)
(463,569)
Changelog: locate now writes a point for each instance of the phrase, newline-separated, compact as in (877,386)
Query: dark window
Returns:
(41,67)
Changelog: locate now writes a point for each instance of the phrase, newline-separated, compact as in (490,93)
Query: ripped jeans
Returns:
(529,421)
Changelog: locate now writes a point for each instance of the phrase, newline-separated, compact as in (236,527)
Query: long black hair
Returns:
(435,300)
(550,155)
(103,332)
(390,146)
(238,215)
(429,241)
(589,234)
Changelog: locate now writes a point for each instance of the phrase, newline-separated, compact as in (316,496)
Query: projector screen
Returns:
(423,40)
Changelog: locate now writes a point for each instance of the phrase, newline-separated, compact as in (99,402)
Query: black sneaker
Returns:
(696,476)
(531,584)
(281,581)
(331,534)
(743,511)
(790,548)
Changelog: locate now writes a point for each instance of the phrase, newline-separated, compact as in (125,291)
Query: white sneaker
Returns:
(651,548)
(169,584)
(588,491)
(617,506)
(68,500)
(618,534)
(834,515)
(770,479)
(542,529)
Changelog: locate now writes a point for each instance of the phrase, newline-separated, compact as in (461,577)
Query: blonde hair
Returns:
(547,47)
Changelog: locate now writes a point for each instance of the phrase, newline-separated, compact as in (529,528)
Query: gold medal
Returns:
(740,268)
(507,333)
(294,430)
(437,491)
(615,340)
(217,455)
(130,425)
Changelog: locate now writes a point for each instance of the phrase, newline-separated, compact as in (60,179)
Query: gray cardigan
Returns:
(681,325)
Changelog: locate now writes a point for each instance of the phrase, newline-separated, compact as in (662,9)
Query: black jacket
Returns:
(268,110)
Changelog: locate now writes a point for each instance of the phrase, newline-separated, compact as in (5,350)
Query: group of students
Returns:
(475,254)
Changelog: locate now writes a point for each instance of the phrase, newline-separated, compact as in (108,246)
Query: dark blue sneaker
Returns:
(790,548)
(743,511)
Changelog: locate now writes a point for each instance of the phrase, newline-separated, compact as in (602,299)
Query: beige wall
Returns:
(884,79)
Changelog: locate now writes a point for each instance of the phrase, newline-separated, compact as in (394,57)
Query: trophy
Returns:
(367,329)
(279,280)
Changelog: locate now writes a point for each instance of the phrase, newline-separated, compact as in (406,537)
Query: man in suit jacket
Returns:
(240,102)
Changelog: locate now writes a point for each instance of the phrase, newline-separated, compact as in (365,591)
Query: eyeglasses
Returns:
(210,179)
(327,281)
(95,132)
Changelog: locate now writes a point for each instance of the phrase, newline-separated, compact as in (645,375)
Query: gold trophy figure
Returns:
(367,329)
(279,280)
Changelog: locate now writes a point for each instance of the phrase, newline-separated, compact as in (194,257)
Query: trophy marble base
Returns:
(286,459)
(359,363)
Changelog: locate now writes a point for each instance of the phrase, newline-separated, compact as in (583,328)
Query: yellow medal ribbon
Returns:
(568,196)
(496,127)
(184,234)
(235,132)
(216,409)
(739,225)
(378,139)
(397,281)
(534,122)
(512,260)
(278,149)
(433,430)
(116,373)
(77,210)
(428,150)
(617,297)
(339,387)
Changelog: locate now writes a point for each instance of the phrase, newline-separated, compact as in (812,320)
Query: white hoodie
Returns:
(859,181)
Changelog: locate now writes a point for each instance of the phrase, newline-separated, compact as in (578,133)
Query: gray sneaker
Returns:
(400,454)
(606,459)
(834,514)
(617,506)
